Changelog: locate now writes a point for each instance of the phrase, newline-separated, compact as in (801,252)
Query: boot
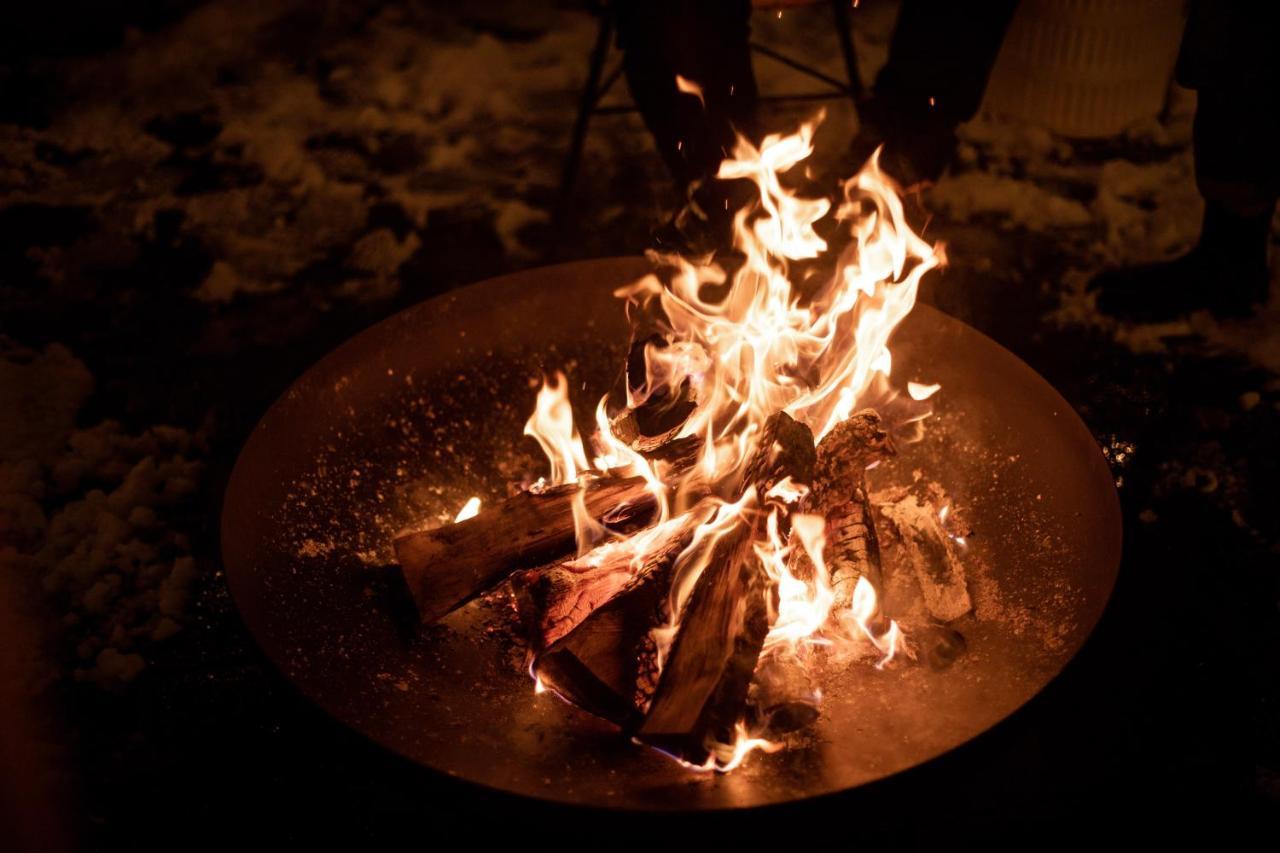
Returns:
(1225,273)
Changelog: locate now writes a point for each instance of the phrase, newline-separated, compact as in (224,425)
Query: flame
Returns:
(744,346)
(804,605)
(689,87)
(552,425)
(864,608)
(919,391)
(760,348)
(943,514)
(693,560)
(470,509)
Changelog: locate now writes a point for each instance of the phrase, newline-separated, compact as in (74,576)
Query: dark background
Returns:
(198,200)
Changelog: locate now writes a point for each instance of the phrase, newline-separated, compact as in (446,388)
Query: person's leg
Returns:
(1236,139)
(706,42)
(940,58)
(1228,57)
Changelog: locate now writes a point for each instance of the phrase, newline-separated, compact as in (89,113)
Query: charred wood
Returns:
(445,567)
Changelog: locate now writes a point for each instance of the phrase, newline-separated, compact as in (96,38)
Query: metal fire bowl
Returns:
(411,417)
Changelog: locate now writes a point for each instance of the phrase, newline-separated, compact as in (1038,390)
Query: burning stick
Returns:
(934,555)
(700,696)
(605,661)
(840,495)
(448,566)
(553,601)
(783,697)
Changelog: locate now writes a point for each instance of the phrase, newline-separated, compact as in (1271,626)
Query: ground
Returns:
(200,199)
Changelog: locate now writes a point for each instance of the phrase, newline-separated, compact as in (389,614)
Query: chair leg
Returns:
(844,32)
(587,104)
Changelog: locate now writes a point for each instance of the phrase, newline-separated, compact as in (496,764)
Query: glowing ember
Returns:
(470,509)
(740,349)
(690,88)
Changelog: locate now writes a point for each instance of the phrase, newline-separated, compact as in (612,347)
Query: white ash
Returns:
(933,549)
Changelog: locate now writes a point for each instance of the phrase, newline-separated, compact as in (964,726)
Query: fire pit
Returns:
(416,415)
(712,571)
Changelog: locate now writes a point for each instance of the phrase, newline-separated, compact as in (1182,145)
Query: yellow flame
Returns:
(552,425)
(470,509)
(745,346)
(689,87)
(863,610)
(804,605)
(920,391)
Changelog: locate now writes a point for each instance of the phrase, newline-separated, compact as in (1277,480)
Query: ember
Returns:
(720,559)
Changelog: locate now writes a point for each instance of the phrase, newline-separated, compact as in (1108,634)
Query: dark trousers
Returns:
(1231,56)
(706,42)
(941,55)
(940,58)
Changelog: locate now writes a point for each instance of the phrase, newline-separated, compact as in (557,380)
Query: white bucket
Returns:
(1086,68)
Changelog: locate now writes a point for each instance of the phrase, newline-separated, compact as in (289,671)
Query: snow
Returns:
(91,511)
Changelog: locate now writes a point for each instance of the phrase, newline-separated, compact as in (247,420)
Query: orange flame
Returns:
(746,346)
(470,509)
(689,87)
(552,425)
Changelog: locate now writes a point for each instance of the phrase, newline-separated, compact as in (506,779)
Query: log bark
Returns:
(703,686)
(554,600)
(783,697)
(606,663)
(934,556)
(839,494)
(447,566)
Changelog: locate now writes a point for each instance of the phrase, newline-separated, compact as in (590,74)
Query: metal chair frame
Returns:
(598,86)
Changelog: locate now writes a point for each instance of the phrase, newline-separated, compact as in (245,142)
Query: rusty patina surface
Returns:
(422,410)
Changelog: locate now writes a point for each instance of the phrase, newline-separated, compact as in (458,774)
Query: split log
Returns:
(445,567)
(703,686)
(933,554)
(839,493)
(783,697)
(554,600)
(662,415)
(606,663)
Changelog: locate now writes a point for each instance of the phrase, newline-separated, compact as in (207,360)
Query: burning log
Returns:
(553,601)
(934,555)
(605,662)
(840,495)
(446,567)
(663,413)
(783,697)
(703,687)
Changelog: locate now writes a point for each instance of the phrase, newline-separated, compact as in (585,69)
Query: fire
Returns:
(552,425)
(470,509)
(689,87)
(746,346)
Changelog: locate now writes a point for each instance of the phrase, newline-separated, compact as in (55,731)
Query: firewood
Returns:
(606,662)
(839,494)
(445,567)
(703,687)
(554,600)
(783,697)
(659,419)
(934,556)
